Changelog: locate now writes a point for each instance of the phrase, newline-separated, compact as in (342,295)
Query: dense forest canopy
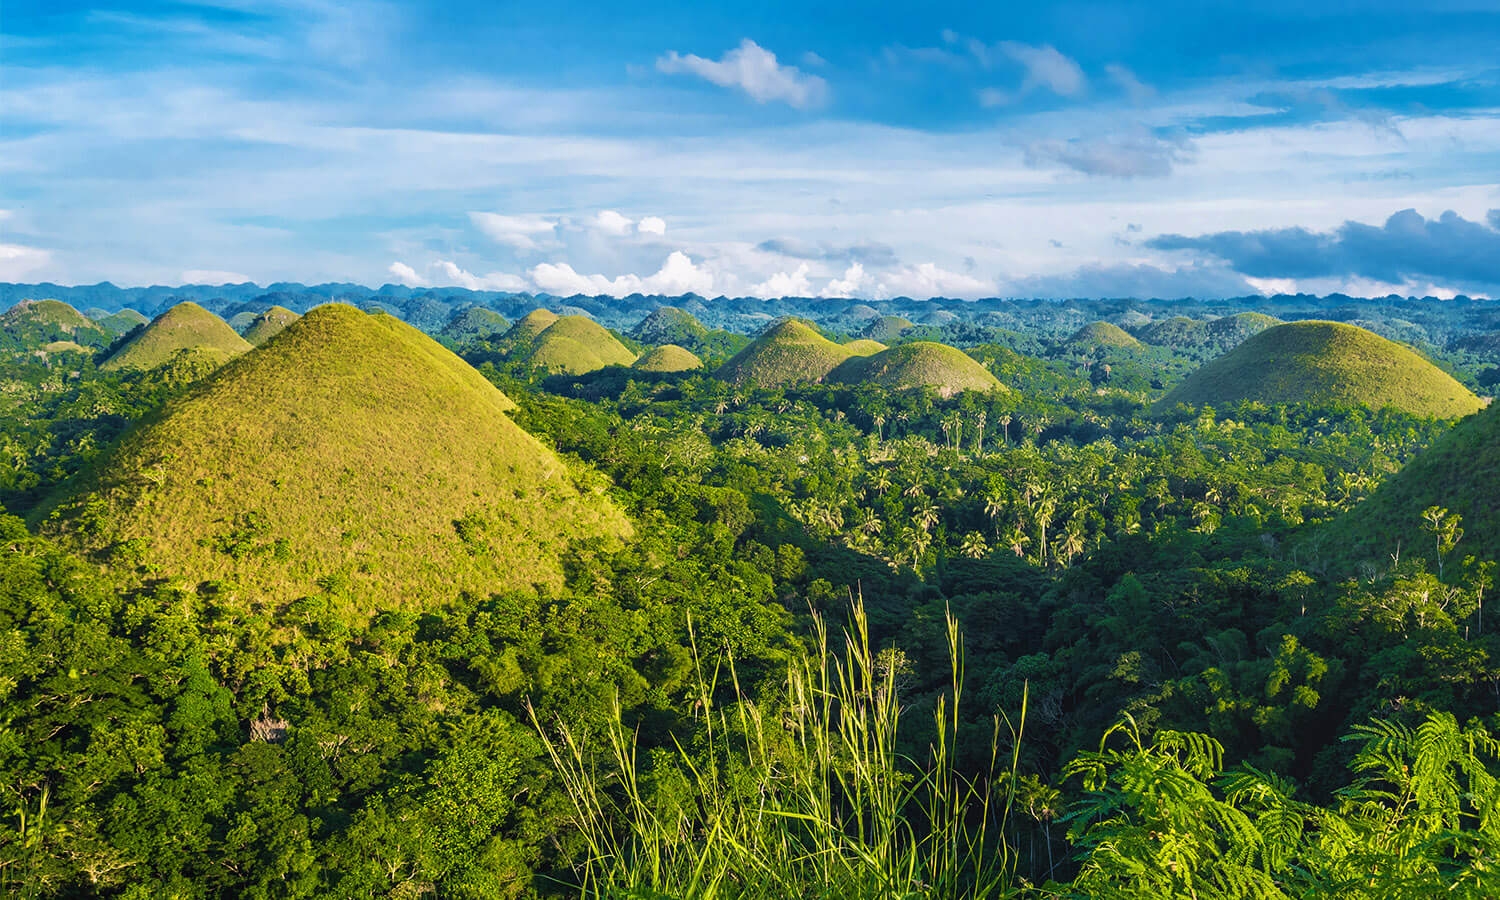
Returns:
(851,628)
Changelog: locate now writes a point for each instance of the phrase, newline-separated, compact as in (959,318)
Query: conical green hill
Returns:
(186,326)
(269,324)
(475,323)
(1460,472)
(1178,331)
(947,370)
(529,326)
(887,328)
(123,322)
(1325,362)
(668,358)
(789,352)
(1103,334)
(863,347)
(1232,330)
(575,344)
(31,324)
(669,325)
(351,458)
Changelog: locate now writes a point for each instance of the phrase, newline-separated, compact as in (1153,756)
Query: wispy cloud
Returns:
(754,70)
(1139,154)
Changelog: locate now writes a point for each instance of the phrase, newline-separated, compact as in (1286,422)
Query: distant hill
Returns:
(575,345)
(33,323)
(863,347)
(1178,331)
(269,324)
(1459,472)
(668,358)
(351,459)
(123,322)
(1325,362)
(475,323)
(1229,332)
(1103,334)
(887,328)
(947,370)
(789,352)
(669,325)
(529,326)
(185,327)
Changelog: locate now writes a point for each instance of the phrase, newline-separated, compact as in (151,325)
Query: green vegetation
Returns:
(268,324)
(574,344)
(32,323)
(670,325)
(529,327)
(1231,331)
(789,352)
(1178,331)
(475,323)
(186,327)
(1103,334)
(946,370)
(351,458)
(668,358)
(887,329)
(122,322)
(863,347)
(1325,362)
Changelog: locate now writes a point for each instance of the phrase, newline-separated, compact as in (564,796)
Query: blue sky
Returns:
(867,150)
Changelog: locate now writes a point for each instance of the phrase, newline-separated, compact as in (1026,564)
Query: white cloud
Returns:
(405,274)
(611,222)
(848,286)
(450,273)
(213,276)
(520,232)
(1138,91)
(785,284)
(1044,65)
(754,70)
(678,275)
(652,225)
(17,260)
(929,280)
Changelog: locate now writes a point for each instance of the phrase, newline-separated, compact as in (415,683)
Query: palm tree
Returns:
(1005,421)
(979,421)
(879,420)
(994,505)
(973,545)
(925,516)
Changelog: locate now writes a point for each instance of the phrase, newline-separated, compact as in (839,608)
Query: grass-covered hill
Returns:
(947,370)
(1325,362)
(475,323)
(122,322)
(887,329)
(1231,331)
(669,325)
(31,324)
(529,326)
(1177,331)
(575,345)
(668,358)
(863,347)
(1103,334)
(269,324)
(351,458)
(1460,472)
(789,352)
(185,327)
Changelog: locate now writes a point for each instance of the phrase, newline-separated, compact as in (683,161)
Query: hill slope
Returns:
(186,326)
(1325,362)
(668,358)
(529,326)
(31,324)
(352,457)
(475,323)
(947,370)
(669,325)
(887,328)
(789,352)
(1103,334)
(122,322)
(574,344)
(1459,472)
(269,324)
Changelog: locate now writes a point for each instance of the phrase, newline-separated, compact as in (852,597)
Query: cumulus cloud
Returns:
(929,280)
(1137,90)
(212,276)
(520,232)
(677,276)
(848,286)
(449,272)
(17,260)
(1408,247)
(1136,155)
(405,274)
(652,225)
(1045,67)
(785,284)
(611,222)
(754,70)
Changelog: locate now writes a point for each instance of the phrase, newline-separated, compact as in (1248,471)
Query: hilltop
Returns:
(475,323)
(788,352)
(1231,331)
(1103,334)
(1325,362)
(947,370)
(1459,472)
(669,325)
(575,345)
(529,326)
(352,458)
(122,322)
(31,324)
(185,327)
(1178,331)
(887,328)
(269,324)
(668,358)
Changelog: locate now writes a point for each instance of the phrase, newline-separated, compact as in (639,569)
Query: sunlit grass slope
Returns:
(1325,362)
(1103,334)
(350,457)
(32,323)
(947,370)
(668,358)
(529,326)
(269,324)
(1460,472)
(574,344)
(669,325)
(186,326)
(887,328)
(789,352)
(474,323)
(121,322)
(1231,331)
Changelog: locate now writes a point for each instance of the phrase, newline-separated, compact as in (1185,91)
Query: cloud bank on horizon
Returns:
(1141,149)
